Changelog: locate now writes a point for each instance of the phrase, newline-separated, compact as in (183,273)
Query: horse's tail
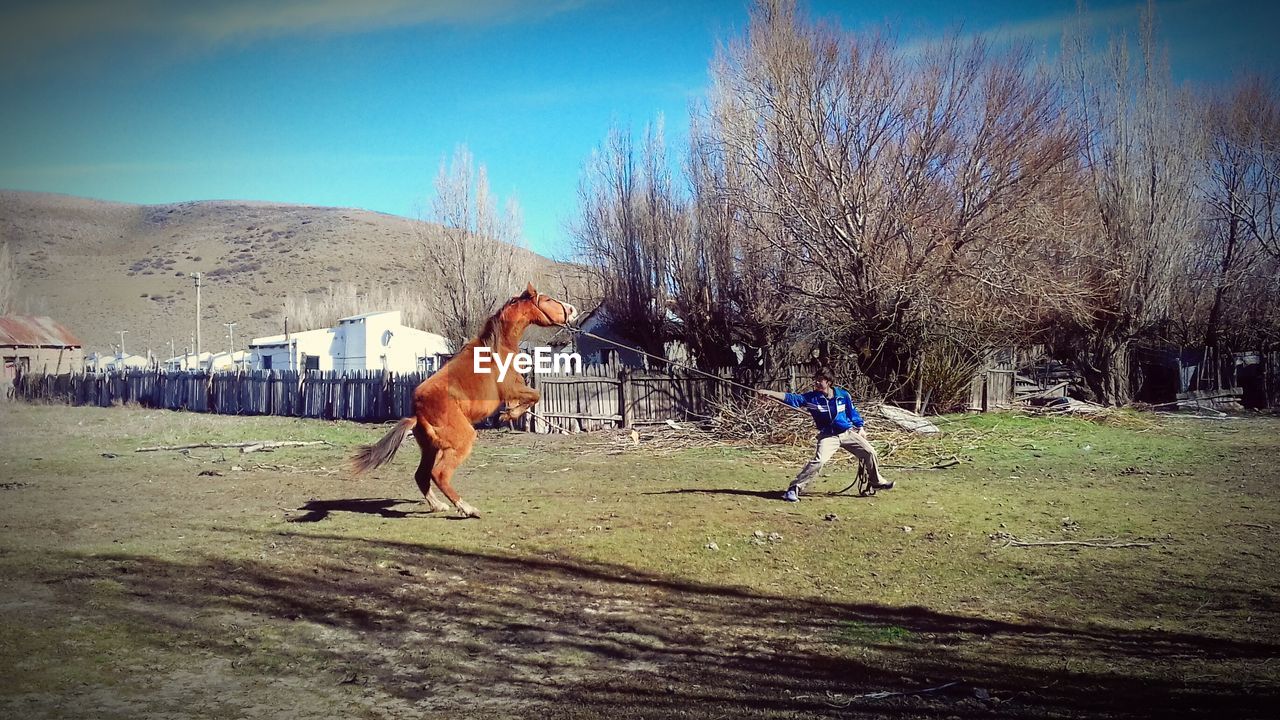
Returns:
(369,457)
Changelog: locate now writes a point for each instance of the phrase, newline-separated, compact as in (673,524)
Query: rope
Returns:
(936,420)
(690,368)
(684,366)
(548,421)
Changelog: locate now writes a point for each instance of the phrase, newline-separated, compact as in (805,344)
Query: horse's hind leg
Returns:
(423,475)
(442,473)
(423,478)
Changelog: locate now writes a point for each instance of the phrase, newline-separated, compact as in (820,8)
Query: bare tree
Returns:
(898,189)
(418,308)
(8,280)
(1238,257)
(728,278)
(630,220)
(477,250)
(672,259)
(1142,148)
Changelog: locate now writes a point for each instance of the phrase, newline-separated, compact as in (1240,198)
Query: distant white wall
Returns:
(375,341)
(292,354)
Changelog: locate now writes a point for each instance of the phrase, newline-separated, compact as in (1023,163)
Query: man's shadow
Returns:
(317,510)
(774,494)
(766,494)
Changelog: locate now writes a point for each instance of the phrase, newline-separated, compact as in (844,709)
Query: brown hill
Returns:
(101,267)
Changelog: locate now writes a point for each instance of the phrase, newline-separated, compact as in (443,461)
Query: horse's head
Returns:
(543,309)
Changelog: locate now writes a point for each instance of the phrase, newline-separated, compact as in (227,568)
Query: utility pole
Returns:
(122,334)
(231,354)
(197,277)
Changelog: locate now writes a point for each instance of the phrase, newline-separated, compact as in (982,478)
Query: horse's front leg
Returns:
(519,400)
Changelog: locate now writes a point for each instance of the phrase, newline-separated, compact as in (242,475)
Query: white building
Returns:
(373,341)
(97,362)
(228,361)
(208,362)
(189,362)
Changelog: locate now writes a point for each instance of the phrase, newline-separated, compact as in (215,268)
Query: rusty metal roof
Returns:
(33,331)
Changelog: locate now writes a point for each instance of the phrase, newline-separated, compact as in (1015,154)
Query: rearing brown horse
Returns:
(446,404)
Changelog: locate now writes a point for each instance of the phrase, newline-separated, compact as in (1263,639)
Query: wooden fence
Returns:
(1167,374)
(1269,379)
(599,397)
(361,396)
(614,396)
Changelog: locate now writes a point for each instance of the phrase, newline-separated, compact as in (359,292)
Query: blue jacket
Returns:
(832,416)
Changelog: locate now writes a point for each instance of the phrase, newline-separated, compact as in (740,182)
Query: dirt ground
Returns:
(605,582)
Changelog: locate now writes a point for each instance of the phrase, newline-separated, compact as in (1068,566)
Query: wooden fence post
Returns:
(624,398)
(531,421)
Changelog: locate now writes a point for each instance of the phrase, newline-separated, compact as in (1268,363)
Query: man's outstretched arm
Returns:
(792,399)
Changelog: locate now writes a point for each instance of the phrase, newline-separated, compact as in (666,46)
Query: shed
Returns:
(30,343)
(597,352)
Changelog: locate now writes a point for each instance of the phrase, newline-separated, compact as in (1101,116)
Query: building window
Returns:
(266,362)
(310,362)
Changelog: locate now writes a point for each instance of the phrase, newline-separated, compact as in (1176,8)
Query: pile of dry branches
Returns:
(1114,417)
(760,423)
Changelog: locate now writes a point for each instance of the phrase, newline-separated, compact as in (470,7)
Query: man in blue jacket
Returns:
(839,426)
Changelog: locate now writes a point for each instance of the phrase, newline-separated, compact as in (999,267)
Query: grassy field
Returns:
(605,581)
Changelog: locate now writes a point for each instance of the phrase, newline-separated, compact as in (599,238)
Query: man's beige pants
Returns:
(827,444)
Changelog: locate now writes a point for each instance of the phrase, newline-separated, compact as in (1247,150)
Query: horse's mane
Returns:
(495,326)
(491,335)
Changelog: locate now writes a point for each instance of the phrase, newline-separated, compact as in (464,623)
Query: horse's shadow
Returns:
(317,510)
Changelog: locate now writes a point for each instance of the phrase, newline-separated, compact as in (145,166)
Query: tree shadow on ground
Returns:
(468,633)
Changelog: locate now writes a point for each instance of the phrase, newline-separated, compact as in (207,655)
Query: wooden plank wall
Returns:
(600,397)
(366,396)
(613,396)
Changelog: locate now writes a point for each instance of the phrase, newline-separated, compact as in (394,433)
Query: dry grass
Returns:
(634,584)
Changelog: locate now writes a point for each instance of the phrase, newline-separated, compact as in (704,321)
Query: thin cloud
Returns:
(38,27)
(1051,27)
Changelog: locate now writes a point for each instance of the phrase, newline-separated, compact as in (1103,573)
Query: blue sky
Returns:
(332,102)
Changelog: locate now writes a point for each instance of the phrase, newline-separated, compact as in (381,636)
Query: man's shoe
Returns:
(882,485)
(791,495)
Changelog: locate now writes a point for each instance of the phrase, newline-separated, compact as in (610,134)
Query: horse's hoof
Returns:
(467,511)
